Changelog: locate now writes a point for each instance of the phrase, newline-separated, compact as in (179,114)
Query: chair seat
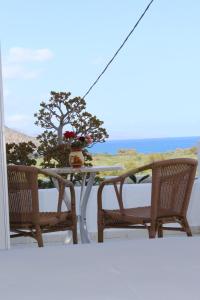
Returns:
(138,215)
(46,219)
(51,218)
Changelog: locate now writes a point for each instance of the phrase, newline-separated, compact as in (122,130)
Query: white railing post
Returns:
(198,157)
(4,216)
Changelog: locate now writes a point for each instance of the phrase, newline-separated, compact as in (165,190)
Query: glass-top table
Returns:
(85,192)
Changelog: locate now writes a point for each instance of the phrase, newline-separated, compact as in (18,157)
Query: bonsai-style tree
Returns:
(21,154)
(63,113)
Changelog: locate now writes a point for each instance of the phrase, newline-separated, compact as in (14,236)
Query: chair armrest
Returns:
(118,180)
(62,184)
(122,177)
(67,183)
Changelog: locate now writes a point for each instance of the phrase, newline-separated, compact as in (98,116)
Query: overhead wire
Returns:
(118,50)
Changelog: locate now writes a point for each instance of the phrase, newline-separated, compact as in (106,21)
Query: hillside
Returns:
(12,135)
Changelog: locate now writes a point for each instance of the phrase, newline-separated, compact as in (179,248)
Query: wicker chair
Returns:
(172,182)
(25,217)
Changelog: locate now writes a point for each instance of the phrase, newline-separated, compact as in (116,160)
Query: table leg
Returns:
(68,238)
(83,201)
(66,198)
(83,207)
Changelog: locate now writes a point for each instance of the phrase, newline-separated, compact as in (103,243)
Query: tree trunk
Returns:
(60,134)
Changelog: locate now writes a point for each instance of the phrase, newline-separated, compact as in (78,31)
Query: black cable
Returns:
(95,82)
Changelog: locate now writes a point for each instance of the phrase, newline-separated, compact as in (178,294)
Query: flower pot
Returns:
(76,158)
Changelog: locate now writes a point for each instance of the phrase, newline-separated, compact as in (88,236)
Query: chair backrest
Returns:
(23,194)
(172,182)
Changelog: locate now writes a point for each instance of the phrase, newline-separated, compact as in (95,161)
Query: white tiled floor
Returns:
(158,269)
(109,236)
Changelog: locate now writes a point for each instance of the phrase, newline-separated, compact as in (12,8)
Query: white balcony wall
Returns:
(134,195)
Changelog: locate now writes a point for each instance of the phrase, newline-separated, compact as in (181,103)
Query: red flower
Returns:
(69,134)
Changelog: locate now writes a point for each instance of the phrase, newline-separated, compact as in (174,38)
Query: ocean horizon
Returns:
(147,145)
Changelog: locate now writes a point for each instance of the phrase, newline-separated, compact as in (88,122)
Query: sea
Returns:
(150,145)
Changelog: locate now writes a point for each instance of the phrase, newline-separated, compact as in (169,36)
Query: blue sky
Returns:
(151,89)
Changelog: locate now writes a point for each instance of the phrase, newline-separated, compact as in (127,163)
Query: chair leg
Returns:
(74,234)
(38,236)
(152,231)
(100,223)
(160,230)
(186,227)
(100,234)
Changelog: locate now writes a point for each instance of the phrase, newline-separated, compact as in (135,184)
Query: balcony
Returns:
(134,195)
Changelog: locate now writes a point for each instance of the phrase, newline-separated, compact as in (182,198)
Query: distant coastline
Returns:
(112,147)
(149,145)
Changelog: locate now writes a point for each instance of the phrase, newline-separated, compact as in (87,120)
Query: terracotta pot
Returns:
(76,158)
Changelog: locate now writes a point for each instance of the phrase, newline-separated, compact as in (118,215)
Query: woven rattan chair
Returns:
(25,217)
(172,182)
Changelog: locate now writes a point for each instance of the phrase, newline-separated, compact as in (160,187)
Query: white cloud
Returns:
(23,123)
(19,72)
(18,121)
(19,54)
(17,66)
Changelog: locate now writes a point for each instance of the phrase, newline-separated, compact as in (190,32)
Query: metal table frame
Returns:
(85,192)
